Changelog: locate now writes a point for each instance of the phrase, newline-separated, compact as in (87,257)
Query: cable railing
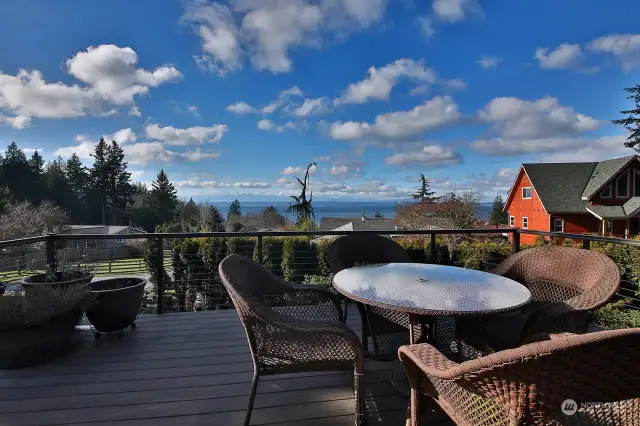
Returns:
(182,268)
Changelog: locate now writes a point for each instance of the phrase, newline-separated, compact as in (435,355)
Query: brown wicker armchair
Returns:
(388,329)
(565,283)
(291,328)
(530,385)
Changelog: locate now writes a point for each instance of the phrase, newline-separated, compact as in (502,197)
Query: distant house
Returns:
(363,223)
(596,197)
(119,233)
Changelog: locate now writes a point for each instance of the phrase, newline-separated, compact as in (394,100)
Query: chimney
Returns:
(364,216)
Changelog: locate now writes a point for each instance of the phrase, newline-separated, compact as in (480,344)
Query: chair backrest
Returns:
(556,273)
(360,249)
(595,368)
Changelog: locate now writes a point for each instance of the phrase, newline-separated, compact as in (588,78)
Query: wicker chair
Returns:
(530,385)
(291,328)
(565,284)
(388,329)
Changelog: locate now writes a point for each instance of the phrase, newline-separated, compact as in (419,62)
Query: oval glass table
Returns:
(425,292)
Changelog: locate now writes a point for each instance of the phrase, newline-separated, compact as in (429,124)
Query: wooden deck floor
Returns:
(186,369)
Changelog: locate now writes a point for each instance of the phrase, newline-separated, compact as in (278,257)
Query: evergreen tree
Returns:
(100,181)
(235,211)
(16,174)
(300,205)
(37,180)
(57,186)
(189,214)
(120,188)
(632,121)
(141,211)
(211,220)
(424,194)
(498,216)
(77,177)
(164,198)
(36,163)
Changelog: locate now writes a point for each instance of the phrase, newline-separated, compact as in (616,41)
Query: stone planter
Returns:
(34,345)
(117,303)
(41,279)
(488,265)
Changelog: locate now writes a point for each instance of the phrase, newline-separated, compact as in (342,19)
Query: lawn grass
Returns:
(116,267)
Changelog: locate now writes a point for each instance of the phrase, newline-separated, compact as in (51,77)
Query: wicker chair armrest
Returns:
(543,337)
(429,360)
(321,292)
(556,318)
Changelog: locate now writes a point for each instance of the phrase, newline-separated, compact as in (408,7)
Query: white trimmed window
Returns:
(606,193)
(623,184)
(120,240)
(558,225)
(512,221)
(526,193)
(525,222)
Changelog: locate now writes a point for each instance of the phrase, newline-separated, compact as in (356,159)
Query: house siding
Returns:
(531,208)
(579,223)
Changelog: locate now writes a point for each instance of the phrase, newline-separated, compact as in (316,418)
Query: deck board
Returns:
(193,368)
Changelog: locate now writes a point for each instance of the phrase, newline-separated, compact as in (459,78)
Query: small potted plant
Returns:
(36,325)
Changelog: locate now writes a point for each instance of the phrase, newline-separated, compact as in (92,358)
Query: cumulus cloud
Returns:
(564,56)
(427,156)
(312,107)
(292,171)
(198,183)
(134,111)
(516,118)
(19,122)
(589,150)
(455,10)
(266,124)
(380,81)
(190,136)
(283,100)
(488,62)
(241,108)
(429,115)
(624,47)
(266,31)
(425,23)
(110,76)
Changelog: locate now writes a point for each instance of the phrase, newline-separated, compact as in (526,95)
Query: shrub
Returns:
(244,246)
(471,254)
(615,316)
(323,261)
(320,280)
(272,248)
(298,259)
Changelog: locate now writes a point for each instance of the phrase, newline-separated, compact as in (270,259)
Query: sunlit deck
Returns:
(186,369)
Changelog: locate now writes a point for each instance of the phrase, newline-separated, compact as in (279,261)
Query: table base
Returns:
(399,381)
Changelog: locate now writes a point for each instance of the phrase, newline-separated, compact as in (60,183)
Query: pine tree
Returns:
(211,220)
(424,194)
(164,198)
(235,211)
(100,179)
(36,163)
(57,186)
(632,121)
(300,205)
(120,188)
(498,216)
(78,179)
(15,173)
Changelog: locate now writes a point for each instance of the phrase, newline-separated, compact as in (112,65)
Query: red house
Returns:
(577,198)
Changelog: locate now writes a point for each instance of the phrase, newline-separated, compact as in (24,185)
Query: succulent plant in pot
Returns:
(36,325)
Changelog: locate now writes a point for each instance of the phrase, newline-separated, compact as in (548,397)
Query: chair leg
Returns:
(359,392)
(346,309)
(414,402)
(252,396)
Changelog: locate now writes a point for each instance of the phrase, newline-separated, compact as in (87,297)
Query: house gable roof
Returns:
(603,173)
(560,185)
(357,224)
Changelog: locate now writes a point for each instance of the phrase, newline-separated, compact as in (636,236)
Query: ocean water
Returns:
(334,208)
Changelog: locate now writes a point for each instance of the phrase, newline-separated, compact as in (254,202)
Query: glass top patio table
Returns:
(430,290)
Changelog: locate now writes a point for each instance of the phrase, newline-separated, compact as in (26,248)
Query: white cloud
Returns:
(455,10)
(266,124)
(426,26)
(590,150)
(488,62)
(291,171)
(266,31)
(516,118)
(110,76)
(241,108)
(564,56)
(427,156)
(380,81)
(624,47)
(19,122)
(312,106)
(111,72)
(189,136)
(322,159)
(134,111)
(401,124)
(198,183)
(219,36)
(283,100)
(137,174)
(339,170)
(198,155)
(123,136)
(456,84)
(291,91)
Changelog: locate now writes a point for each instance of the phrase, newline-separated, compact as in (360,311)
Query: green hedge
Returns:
(471,254)
(616,315)
(299,258)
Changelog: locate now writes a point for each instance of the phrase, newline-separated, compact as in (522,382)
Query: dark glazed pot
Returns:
(35,345)
(117,303)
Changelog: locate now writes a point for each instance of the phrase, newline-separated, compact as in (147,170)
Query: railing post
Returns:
(516,241)
(433,247)
(260,257)
(586,244)
(51,251)
(159,262)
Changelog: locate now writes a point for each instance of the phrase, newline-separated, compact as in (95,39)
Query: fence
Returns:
(188,279)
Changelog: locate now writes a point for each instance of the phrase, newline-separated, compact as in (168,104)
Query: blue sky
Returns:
(233,98)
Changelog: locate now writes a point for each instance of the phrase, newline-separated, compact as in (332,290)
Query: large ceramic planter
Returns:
(41,279)
(35,345)
(117,303)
